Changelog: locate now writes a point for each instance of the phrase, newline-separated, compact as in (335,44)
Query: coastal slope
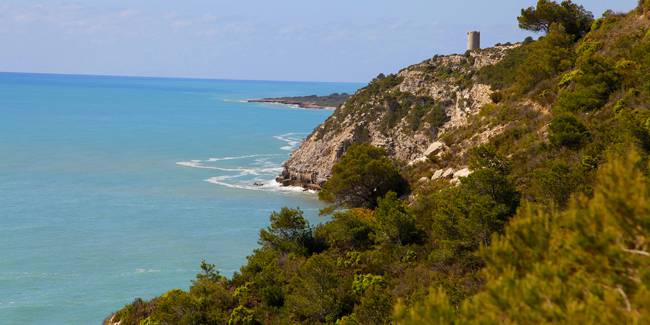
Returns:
(405,114)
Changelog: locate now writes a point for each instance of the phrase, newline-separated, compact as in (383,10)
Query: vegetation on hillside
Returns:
(587,264)
(362,176)
(552,225)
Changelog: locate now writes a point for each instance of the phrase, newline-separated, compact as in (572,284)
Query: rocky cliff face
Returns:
(403,113)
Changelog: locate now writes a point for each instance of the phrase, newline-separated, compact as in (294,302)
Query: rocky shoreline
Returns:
(308,180)
(330,102)
(300,104)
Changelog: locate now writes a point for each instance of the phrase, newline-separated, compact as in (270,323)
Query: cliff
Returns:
(404,113)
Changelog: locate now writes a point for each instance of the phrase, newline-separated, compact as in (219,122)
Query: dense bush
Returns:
(531,63)
(588,264)
(567,131)
(361,177)
(468,215)
(504,73)
(555,183)
(394,223)
(592,85)
(289,232)
(545,59)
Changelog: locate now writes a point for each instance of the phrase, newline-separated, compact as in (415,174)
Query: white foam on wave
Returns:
(240,157)
(259,175)
(242,170)
(226,100)
(292,140)
(199,164)
(269,185)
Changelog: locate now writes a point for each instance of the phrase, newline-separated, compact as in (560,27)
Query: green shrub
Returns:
(361,177)
(317,293)
(465,217)
(375,307)
(363,282)
(503,74)
(526,66)
(555,184)
(592,87)
(545,59)
(242,316)
(582,265)
(272,296)
(567,131)
(290,232)
(394,224)
(348,231)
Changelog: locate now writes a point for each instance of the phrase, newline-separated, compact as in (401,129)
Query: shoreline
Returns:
(293,103)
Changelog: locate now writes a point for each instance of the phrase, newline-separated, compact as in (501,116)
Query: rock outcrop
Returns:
(404,113)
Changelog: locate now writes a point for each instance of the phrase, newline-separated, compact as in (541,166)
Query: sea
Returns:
(113,188)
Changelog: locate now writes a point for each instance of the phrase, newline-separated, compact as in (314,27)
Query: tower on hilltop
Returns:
(473,41)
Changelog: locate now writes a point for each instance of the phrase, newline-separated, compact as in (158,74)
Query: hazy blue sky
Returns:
(332,40)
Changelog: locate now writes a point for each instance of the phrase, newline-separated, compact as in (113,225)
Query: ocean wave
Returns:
(269,185)
(256,171)
(242,170)
(241,157)
(293,140)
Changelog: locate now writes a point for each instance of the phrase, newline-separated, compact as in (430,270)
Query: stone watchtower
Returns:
(473,41)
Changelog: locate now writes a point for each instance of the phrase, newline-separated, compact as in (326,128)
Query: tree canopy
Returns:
(362,175)
(575,19)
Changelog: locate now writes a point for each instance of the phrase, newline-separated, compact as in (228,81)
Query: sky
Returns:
(306,40)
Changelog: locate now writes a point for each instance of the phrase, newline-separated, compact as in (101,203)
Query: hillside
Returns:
(404,113)
(508,185)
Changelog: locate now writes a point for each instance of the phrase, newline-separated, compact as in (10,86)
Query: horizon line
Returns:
(172,77)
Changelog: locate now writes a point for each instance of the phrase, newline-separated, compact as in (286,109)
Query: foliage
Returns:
(351,230)
(555,183)
(531,63)
(566,130)
(588,264)
(575,19)
(361,177)
(467,215)
(209,272)
(504,73)
(486,156)
(242,316)
(375,307)
(363,282)
(545,59)
(592,86)
(316,293)
(289,232)
(394,223)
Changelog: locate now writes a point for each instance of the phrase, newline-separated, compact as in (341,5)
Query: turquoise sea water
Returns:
(113,188)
